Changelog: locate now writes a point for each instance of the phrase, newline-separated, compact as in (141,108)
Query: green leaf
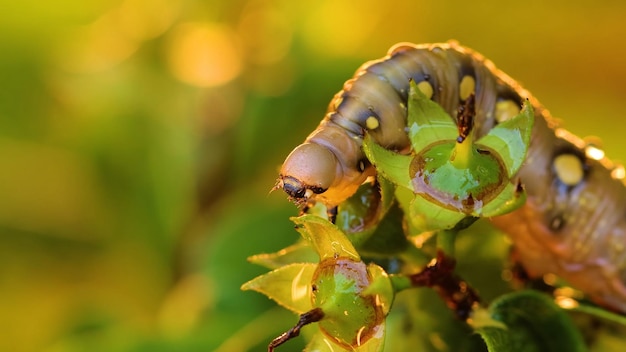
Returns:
(533,323)
(350,314)
(327,240)
(381,286)
(600,313)
(511,139)
(289,286)
(428,123)
(387,193)
(360,215)
(393,166)
(427,216)
(321,343)
(465,188)
(300,252)
(375,343)
(501,340)
(508,200)
(388,238)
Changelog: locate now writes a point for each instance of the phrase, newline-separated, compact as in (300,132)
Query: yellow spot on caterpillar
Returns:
(569,169)
(506,109)
(466,87)
(372,123)
(426,88)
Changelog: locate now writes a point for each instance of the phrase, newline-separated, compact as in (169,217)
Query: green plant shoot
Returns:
(348,298)
(452,175)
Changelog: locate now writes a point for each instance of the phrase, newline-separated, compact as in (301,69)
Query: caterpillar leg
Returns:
(332,214)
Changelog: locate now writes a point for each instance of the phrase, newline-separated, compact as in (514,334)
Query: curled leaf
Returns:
(289,286)
(393,166)
(327,240)
(300,252)
(428,123)
(511,139)
(533,323)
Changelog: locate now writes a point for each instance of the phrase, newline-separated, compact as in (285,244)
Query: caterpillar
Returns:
(573,223)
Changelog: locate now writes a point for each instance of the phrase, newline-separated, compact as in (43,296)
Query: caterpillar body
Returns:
(574,221)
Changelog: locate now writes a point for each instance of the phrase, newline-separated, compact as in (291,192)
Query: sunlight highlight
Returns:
(298,290)
(204,55)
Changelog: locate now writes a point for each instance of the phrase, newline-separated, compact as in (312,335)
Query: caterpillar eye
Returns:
(297,189)
(293,187)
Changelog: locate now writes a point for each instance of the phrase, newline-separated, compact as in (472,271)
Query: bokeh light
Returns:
(204,55)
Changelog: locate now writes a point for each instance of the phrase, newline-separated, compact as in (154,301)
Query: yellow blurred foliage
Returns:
(131,129)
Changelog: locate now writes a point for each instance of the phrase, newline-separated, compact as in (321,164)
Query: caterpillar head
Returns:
(309,170)
(314,172)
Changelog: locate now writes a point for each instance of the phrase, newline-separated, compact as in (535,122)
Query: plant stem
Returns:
(462,153)
(445,242)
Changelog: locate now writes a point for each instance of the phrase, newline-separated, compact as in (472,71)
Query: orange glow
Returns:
(566,302)
(568,292)
(204,55)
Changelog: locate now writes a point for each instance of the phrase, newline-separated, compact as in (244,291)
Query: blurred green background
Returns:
(139,140)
